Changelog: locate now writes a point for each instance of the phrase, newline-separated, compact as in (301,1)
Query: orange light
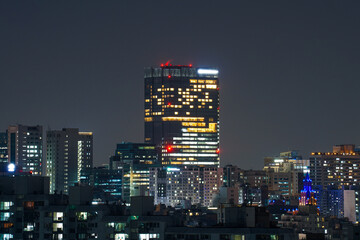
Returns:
(217,151)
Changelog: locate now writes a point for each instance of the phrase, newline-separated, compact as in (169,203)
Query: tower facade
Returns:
(182,114)
(25,144)
(69,155)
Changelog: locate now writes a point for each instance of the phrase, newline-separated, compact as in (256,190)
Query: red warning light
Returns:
(162,65)
(190,65)
(169,104)
(30,172)
(169,148)
(217,151)
(169,76)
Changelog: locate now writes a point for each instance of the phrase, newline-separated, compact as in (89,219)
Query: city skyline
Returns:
(282,79)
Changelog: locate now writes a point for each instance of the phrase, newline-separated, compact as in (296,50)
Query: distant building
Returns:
(175,186)
(69,155)
(4,158)
(253,178)
(231,176)
(244,186)
(182,114)
(339,203)
(135,160)
(341,167)
(25,148)
(285,173)
(108,184)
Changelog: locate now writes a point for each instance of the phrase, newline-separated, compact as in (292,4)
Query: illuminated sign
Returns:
(207,71)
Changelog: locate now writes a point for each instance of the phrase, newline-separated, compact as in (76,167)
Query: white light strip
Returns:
(207,71)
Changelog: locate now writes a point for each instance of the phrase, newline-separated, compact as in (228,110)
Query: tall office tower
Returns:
(69,156)
(3,147)
(182,114)
(25,144)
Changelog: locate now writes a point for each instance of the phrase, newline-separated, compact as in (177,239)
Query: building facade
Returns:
(25,148)
(135,161)
(182,114)
(69,156)
(4,147)
(185,185)
(285,173)
(341,167)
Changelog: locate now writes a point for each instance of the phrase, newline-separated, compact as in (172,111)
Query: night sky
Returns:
(289,72)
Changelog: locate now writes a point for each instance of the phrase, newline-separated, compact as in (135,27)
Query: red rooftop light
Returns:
(169,148)
(162,65)
(169,76)
(217,151)
(169,104)
(190,65)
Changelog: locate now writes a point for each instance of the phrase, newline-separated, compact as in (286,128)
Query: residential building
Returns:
(4,147)
(69,156)
(185,185)
(339,203)
(25,148)
(341,167)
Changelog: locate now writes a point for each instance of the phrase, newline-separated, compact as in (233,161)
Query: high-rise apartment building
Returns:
(69,156)
(341,167)
(25,144)
(4,147)
(185,186)
(182,114)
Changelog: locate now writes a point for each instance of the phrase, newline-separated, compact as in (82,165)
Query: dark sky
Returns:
(289,72)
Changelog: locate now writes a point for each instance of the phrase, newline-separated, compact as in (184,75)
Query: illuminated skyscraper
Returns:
(182,114)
